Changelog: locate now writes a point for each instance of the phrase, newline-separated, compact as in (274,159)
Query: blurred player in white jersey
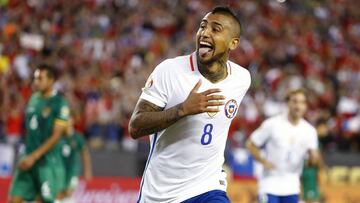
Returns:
(288,140)
(187,106)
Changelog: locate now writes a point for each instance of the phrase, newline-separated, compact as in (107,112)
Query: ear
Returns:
(234,43)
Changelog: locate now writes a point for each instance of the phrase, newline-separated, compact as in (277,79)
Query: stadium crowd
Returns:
(104,50)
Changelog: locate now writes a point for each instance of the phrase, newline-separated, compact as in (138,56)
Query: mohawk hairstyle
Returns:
(228,12)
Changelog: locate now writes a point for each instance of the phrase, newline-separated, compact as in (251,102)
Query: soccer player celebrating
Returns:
(40,170)
(288,141)
(187,105)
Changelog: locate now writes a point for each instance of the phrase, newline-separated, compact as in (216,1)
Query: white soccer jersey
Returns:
(186,158)
(285,146)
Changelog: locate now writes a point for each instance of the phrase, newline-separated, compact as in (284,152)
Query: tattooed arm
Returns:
(148,118)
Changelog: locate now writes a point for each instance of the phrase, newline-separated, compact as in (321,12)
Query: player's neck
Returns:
(214,72)
(47,93)
(293,119)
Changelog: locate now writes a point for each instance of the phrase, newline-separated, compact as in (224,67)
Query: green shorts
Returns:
(310,184)
(45,180)
(72,173)
(71,176)
(72,182)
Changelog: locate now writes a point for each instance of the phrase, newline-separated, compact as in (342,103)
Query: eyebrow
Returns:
(216,23)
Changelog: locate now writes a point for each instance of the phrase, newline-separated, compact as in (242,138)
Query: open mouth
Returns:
(205,47)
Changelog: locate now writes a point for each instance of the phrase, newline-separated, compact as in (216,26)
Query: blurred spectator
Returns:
(104,51)
(14,120)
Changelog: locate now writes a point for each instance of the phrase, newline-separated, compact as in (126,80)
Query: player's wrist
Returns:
(180,110)
(263,161)
(35,156)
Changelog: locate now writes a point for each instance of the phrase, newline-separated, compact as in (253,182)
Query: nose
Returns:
(205,32)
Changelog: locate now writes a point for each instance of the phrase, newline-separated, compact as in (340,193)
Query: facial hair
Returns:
(215,58)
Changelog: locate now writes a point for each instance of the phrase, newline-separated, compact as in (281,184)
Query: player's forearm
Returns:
(86,161)
(314,158)
(255,152)
(149,122)
(48,144)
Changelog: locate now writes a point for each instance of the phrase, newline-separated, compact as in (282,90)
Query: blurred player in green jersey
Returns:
(310,181)
(40,172)
(74,146)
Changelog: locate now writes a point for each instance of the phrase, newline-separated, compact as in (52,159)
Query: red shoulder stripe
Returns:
(191,63)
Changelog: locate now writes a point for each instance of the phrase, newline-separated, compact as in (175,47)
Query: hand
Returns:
(202,102)
(268,166)
(27,162)
(314,158)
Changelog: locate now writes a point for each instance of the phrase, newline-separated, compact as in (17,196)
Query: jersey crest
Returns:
(45,112)
(230,108)
(64,112)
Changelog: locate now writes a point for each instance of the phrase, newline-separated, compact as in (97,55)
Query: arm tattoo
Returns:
(149,118)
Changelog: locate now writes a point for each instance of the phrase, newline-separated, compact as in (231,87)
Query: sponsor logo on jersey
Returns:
(45,111)
(231,108)
(212,114)
(149,83)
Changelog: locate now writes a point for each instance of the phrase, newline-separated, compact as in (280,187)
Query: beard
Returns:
(218,57)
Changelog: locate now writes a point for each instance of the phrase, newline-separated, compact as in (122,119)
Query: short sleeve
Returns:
(313,142)
(260,136)
(156,87)
(62,113)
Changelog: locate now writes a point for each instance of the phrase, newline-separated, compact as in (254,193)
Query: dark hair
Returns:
(295,91)
(50,70)
(228,12)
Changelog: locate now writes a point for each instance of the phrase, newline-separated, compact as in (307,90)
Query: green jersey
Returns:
(72,148)
(310,184)
(71,151)
(41,115)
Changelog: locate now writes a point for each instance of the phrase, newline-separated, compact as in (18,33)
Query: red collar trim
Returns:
(191,63)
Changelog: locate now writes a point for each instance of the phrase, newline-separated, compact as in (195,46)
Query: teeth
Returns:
(205,43)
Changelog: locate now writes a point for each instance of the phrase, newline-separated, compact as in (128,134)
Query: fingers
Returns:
(214,103)
(215,97)
(212,106)
(196,87)
(211,91)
